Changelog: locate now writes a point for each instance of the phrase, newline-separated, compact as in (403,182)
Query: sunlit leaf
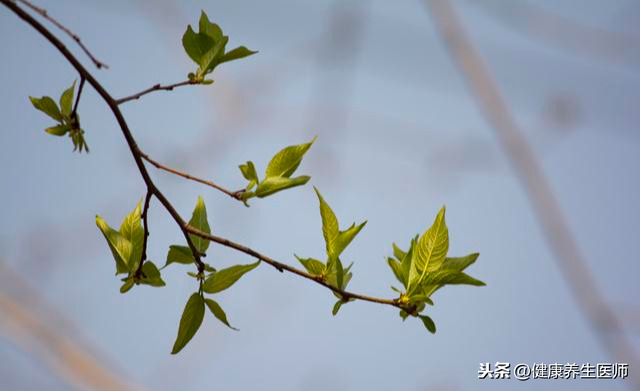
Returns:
(66,100)
(179,254)
(131,229)
(47,106)
(223,279)
(286,161)
(120,247)
(189,322)
(218,312)
(313,266)
(199,221)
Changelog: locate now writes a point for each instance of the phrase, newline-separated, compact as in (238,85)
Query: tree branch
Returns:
(232,194)
(282,267)
(156,87)
(145,221)
(75,105)
(152,189)
(43,12)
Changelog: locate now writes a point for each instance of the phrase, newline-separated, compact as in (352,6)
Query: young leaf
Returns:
(336,240)
(460,263)
(211,29)
(189,322)
(128,284)
(336,307)
(208,61)
(196,45)
(179,254)
(428,323)
(58,130)
(223,279)
(275,184)
(218,312)
(313,266)
(285,162)
(120,247)
(66,100)
(131,229)
(249,173)
(397,271)
(398,253)
(47,106)
(345,237)
(199,221)
(236,54)
(151,275)
(329,224)
(431,249)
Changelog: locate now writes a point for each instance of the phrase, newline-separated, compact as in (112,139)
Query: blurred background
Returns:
(521,116)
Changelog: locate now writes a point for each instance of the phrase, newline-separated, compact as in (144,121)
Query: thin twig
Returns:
(75,105)
(284,267)
(156,87)
(186,229)
(547,210)
(232,194)
(43,12)
(145,222)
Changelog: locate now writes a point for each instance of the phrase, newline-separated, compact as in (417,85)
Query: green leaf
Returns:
(211,29)
(179,254)
(131,229)
(196,45)
(199,221)
(275,184)
(218,312)
(345,237)
(431,249)
(151,275)
(428,323)
(330,228)
(397,271)
(128,284)
(223,279)
(249,173)
(208,59)
(285,162)
(336,307)
(47,106)
(59,130)
(460,263)
(398,253)
(66,100)
(189,322)
(120,247)
(236,54)
(313,266)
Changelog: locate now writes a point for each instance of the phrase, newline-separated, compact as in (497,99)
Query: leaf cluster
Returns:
(277,176)
(425,268)
(68,122)
(207,48)
(126,245)
(336,241)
